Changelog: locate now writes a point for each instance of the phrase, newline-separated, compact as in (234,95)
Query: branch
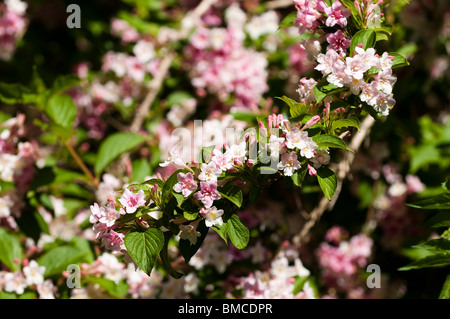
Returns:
(342,170)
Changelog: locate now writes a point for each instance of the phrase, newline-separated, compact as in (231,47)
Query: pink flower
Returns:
(289,163)
(337,14)
(112,240)
(328,62)
(222,160)
(131,201)
(186,184)
(208,193)
(338,42)
(414,184)
(108,215)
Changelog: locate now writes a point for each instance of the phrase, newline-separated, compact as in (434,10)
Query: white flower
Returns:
(16,6)
(275,145)
(190,233)
(14,282)
(212,216)
(238,151)
(209,172)
(144,51)
(34,273)
(46,290)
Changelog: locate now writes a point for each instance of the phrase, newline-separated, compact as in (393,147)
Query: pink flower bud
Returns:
(311,170)
(237,161)
(250,162)
(314,120)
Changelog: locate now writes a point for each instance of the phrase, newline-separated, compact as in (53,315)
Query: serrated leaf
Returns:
(60,85)
(166,261)
(238,232)
(436,260)
(324,89)
(327,181)
(10,249)
(115,145)
(14,93)
(399,60)
(367,37)
(441,201)
(62,111)
(348,122)
(59,258)
(232,193)
(438,244)
(288,21)
(117,290)
(325,140)
(144,247)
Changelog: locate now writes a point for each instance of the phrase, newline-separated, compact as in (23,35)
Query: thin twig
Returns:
(342,170)
(81,164)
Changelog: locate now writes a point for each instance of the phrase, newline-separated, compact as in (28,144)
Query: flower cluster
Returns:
(17,159)
(12,26)
(278,281)
(314,13)
(340,258)
(355,73)
(28,279)
(220,63)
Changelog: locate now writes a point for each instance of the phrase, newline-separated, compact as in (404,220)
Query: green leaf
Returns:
(144,247)
(166,261)
(222,231)
(61,110)
(348,122)
(141,169)
(441,201)
(355,13)
(10,249)
(14,93)
(445,292)
(299,284)
(115,145)
(167,189)
(232,193)
(118,290)
(438,245)
(366,37)
(299,175)
(299,110)
(60,85)
(324,89)
(436,260)
(441,219)
(325,140)
(288,21)
(238,232)
(59,258)
(205,154)
(399,60)
(327,181)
